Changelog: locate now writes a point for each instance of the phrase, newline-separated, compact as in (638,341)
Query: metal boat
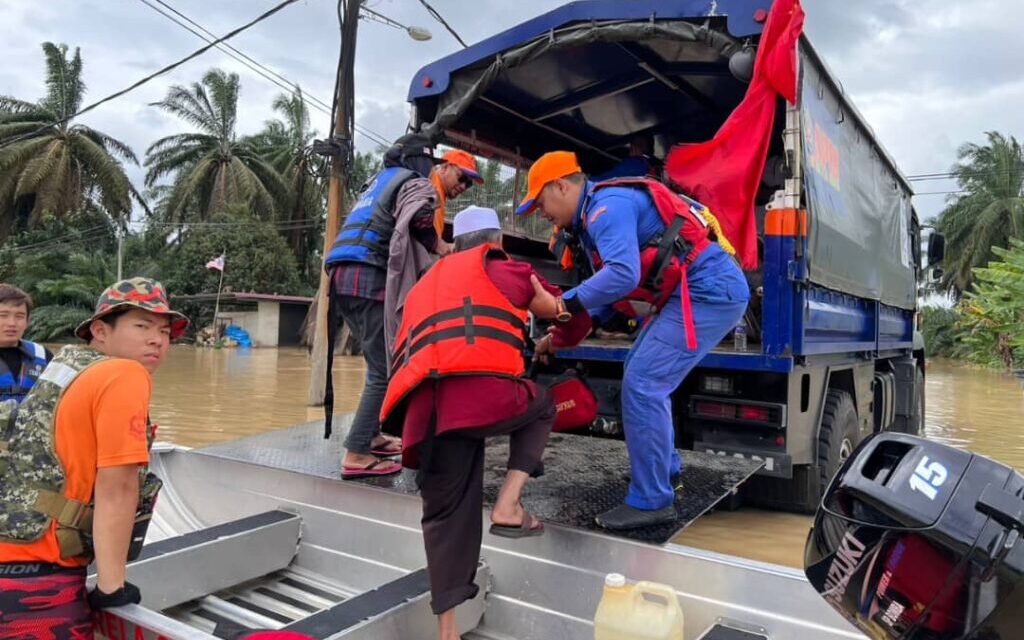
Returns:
(261,533)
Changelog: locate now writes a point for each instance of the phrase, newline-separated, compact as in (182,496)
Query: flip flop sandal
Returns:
(521,530)
(386,451)
(372,470)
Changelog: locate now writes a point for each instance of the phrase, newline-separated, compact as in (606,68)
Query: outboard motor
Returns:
(918,540)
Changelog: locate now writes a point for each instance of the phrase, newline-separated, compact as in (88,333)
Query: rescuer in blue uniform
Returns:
(616,224)
(21,361)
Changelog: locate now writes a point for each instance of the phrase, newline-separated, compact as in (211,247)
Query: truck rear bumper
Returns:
(776,464)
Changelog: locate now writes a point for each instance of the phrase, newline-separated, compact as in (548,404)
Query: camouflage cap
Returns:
(141,293)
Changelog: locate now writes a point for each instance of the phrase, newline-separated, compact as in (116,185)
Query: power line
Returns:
(174,65)
(58,239)
(437,16)
(300,223)
(262,70)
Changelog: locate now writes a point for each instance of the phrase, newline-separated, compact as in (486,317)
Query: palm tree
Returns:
(66,297)
(211,168)
(49,164)
(988,211)
(284,143)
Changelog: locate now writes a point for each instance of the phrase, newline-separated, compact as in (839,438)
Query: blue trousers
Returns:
(657,365)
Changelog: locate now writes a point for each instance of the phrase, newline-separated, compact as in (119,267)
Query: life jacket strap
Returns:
(70,543)
(66,512)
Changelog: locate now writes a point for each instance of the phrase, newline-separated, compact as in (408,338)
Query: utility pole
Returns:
(120,251)
(343,135)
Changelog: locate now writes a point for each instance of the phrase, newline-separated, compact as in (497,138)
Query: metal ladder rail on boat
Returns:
(233,578)
(230,579)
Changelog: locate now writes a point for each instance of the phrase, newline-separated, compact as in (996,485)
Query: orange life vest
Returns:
(455,322)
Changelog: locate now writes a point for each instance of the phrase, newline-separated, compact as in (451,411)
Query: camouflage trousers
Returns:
(44,602)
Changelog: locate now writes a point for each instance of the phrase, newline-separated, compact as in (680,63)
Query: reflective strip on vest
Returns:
(455,321)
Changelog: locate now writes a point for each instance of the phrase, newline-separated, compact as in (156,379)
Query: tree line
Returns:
(261,199)
(65,196)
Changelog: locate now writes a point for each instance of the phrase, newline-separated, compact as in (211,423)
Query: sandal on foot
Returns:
(388,448)
(521,530)
(376,468)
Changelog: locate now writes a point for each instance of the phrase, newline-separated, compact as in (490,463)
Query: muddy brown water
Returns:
(202,396)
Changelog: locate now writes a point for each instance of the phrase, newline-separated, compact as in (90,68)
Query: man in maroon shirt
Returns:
(446,421)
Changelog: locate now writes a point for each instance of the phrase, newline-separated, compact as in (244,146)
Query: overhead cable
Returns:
(174,65)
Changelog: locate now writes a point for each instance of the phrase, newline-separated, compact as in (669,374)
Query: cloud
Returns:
(927,74)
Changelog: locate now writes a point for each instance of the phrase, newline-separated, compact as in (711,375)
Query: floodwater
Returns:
(202,396)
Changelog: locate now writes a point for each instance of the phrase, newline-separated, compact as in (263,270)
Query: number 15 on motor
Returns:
(928,477)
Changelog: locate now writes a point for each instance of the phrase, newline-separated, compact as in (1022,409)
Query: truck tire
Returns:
(837,436)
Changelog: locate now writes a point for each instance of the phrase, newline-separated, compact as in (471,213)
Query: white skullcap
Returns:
(475,218)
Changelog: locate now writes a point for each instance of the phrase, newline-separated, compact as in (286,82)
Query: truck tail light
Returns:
(757,414)
(727,410)
(710,409)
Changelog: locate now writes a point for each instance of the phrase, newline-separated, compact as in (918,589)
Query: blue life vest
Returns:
(366,234)
(15,384)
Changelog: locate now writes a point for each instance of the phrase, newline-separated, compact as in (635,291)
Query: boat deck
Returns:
(584,475)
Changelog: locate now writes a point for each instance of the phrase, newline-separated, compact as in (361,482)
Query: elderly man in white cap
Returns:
(456,379)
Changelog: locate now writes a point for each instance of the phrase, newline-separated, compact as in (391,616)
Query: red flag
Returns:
(724,172)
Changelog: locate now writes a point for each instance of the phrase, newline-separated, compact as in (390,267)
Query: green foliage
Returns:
(364,166)
(257,259)
(284,143)
(992,313)
(938,324)
(211,169)
(988,212)
(58,168)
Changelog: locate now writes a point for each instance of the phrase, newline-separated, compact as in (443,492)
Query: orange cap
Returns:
(464,161)
(550,166)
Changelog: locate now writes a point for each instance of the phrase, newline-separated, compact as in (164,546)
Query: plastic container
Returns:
(640,611)
(739,336)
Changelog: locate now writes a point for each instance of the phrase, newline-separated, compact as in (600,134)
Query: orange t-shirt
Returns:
(101,422)
(442,197)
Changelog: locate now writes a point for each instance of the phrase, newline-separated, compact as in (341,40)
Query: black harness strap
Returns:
(467,318)
(400,352)
(332,331)
(458,331)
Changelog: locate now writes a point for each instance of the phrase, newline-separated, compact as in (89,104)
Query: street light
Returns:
(416,33)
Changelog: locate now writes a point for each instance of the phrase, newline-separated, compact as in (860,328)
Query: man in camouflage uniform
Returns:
(71,465)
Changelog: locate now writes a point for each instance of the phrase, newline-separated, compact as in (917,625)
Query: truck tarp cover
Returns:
(469,84)
(859,232)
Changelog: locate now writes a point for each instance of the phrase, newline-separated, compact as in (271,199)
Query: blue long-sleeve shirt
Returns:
(620,220)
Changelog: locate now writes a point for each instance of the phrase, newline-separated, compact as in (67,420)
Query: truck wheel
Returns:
(837,437)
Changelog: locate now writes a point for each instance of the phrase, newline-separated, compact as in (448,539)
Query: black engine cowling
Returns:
(918,540)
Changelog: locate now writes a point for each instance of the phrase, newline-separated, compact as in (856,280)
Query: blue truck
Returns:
(831,351)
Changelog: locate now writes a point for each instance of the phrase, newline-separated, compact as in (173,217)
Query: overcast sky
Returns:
(927,74)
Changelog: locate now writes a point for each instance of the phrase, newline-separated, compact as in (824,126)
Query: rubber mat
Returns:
(584,476)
